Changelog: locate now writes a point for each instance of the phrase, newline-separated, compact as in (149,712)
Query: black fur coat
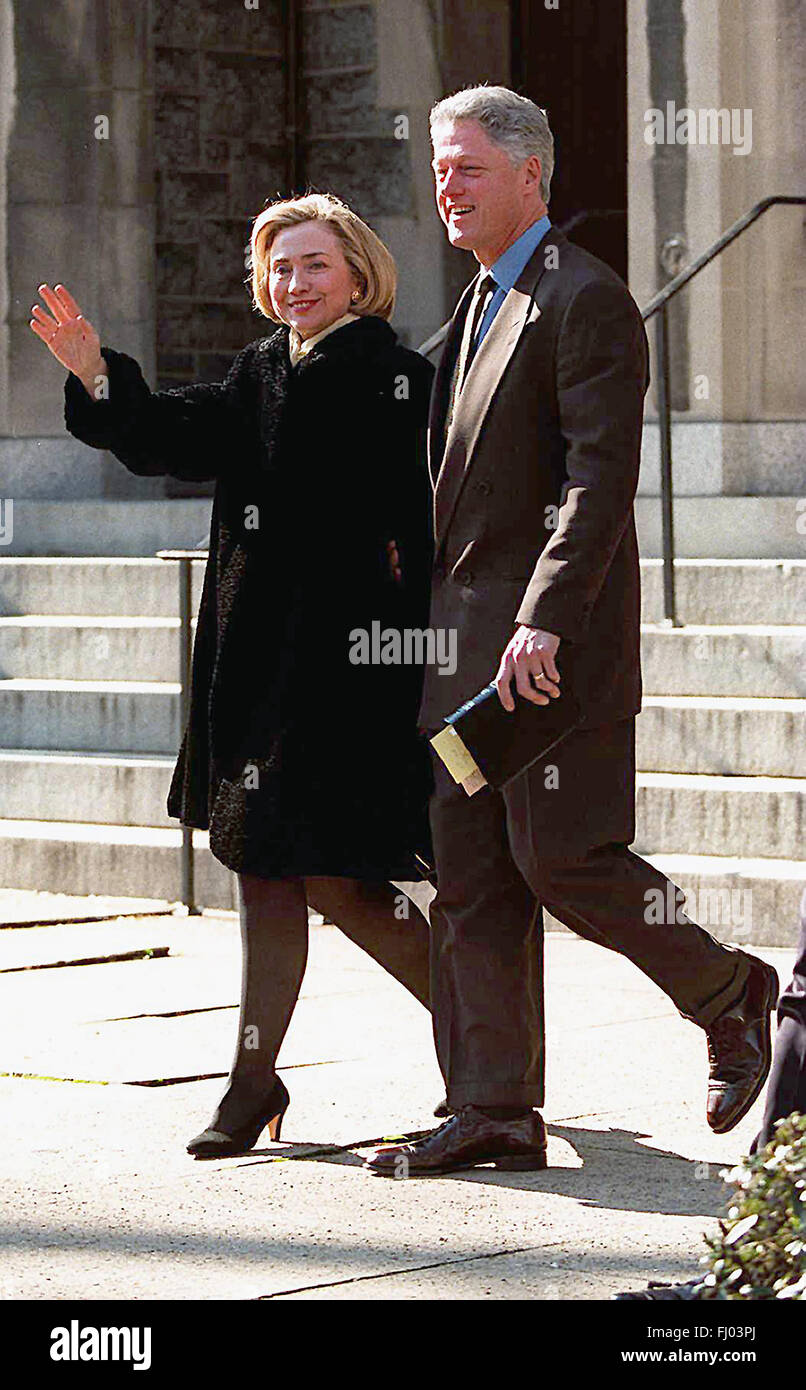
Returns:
(299,760)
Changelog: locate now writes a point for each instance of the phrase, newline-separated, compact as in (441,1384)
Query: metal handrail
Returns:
(658,305)
(688,272)
(184,559)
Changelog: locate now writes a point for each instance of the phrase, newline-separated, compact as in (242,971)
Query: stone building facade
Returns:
(221,149)
(738,388)
(139,140)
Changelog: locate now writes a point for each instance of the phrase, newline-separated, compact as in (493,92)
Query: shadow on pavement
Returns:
(617,1172)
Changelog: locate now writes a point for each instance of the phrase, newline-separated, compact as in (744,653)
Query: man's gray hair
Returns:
(514,122)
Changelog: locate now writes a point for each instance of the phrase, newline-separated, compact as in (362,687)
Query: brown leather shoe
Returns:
(740,1049)
(467,1138)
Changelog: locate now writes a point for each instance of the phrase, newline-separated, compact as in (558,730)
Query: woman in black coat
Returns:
(301,754)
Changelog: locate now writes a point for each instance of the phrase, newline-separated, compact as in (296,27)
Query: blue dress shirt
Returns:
(506,271)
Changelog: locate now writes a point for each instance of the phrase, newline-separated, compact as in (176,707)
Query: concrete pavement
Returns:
(110,1068)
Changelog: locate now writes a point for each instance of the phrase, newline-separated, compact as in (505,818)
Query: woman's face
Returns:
(310,281)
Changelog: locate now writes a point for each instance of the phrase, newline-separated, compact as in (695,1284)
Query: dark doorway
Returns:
(572,60)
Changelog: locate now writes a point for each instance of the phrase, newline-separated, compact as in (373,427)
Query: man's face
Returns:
(482,198)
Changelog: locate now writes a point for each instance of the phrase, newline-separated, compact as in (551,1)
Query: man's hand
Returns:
(529,657)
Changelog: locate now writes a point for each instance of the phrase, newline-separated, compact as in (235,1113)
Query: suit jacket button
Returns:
(486,488)
(466,578)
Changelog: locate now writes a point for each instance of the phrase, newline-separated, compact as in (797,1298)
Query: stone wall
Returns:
(148,225)
(218,155)
(78,208)
(746,309)
(350,146)
(219,149)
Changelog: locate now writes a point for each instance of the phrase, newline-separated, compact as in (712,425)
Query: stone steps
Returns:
(704,734)
(90,716)
(742,900)
(692,660)
(720,660)
(726,527)
(102,788)
(720,591)
(115,586)
(89,648)
(754,591)
(722,735)
(89,858)
(89,728)
(708,526)
(103,528)
(761,816)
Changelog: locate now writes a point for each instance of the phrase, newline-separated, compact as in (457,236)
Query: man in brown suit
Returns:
(535,436)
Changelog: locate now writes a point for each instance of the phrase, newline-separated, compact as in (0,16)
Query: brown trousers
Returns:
(557,835)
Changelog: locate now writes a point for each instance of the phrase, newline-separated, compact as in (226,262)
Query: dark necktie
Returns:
(484,292)
(478,303)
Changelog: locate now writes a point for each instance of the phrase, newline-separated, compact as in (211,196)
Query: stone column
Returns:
(739,423)
(360,65)
(75,127)
(474,46)
(8,97)
(408,84)
(218,155)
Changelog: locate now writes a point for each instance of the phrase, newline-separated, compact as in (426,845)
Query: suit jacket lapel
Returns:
(482,381)
(441,394)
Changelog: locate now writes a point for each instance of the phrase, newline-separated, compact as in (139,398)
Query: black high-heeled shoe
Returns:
(218,1143)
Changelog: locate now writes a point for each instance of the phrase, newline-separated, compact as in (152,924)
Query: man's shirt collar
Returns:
(509,267)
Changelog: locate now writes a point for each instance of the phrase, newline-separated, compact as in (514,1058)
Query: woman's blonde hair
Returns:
(364,252)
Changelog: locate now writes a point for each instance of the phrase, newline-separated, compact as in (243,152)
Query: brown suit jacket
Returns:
(534,477)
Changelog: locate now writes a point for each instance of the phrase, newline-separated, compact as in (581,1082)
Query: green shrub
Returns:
(760,1251)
